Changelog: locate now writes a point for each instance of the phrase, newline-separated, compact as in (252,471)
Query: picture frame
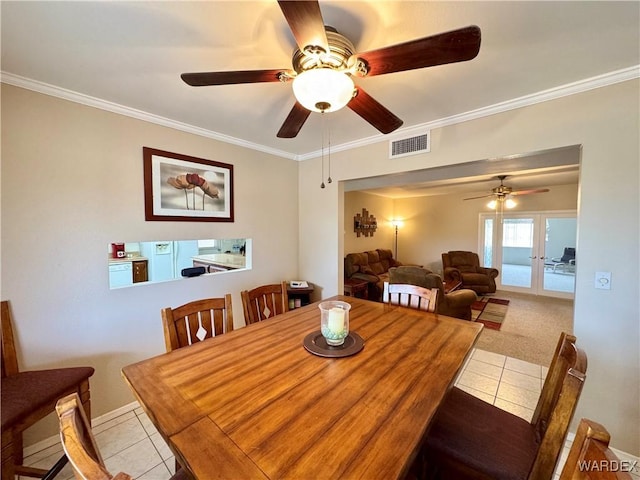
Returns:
(183,188)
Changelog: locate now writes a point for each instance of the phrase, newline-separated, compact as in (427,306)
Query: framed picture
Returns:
(182,188)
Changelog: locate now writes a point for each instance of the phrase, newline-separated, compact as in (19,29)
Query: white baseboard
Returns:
(114,413)
(55,439)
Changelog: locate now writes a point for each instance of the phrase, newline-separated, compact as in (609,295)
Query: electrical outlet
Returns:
(603,280)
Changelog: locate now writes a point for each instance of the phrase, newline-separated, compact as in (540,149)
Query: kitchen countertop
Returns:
(135,258)
(230,260)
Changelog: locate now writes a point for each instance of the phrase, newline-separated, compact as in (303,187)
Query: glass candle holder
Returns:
(334,321)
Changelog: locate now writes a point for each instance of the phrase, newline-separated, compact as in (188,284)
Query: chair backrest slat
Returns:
(590,456)
(79,443)
(264,302)
(215,320)
(411,296)
(9,356)
(557,404)
(212,316)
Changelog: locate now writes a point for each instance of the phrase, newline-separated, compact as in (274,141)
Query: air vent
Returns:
(410,146)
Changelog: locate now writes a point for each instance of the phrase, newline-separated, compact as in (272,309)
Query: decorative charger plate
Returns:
(316,344)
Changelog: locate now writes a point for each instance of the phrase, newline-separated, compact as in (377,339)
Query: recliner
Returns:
(453,304)
(462,266)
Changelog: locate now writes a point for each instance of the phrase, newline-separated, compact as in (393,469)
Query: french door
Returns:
(527,248)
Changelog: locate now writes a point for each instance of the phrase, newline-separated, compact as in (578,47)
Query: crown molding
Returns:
(87,100)
(569,89)
(581,86)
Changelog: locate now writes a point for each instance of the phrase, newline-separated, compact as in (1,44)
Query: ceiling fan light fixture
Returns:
(323,89)
(501,202)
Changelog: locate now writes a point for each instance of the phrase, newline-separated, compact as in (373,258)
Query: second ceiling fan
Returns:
(325,62)
(503,193)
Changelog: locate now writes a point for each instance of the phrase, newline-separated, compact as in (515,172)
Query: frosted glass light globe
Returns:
(323,89)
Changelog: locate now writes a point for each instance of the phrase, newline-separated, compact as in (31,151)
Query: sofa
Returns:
(461,266)
(373,267)
(454,304)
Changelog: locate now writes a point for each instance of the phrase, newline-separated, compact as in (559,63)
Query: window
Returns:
(487,257)
(517,232)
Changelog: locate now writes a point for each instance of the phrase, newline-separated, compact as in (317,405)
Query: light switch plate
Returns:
(603,280)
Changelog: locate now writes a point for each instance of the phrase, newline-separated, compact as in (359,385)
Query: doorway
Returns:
(528,249)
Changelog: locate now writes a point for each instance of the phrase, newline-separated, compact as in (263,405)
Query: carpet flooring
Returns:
(490,311)
(531,328)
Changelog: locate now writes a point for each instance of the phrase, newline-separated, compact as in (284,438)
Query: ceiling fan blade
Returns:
(481,196)
(294,121)
(527,192)
(204,79)
(373,112)
(306,24)
(449,47)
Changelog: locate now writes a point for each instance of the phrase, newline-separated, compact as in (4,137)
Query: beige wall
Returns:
(62,204)
(379,207)
(605,122)
(440,223)
(71,184)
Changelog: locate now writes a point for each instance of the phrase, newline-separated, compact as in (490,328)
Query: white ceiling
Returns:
(480,185)
(127,56)
(131,54)
(541,169)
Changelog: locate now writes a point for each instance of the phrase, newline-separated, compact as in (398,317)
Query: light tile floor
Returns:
(130,443)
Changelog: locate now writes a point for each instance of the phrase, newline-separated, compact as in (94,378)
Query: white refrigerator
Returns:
(167,259)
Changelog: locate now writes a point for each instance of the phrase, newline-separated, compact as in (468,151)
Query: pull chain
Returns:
(322,151)
(329,134)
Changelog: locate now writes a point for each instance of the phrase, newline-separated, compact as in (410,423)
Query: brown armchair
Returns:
(465,267)
(455,304)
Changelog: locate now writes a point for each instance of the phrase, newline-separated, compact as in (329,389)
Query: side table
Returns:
(355,287)
(299,297)
(451,286)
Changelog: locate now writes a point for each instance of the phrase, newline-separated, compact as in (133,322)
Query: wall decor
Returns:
(183,188)
(364,224)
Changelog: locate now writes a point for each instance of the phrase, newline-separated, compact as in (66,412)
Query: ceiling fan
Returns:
(325,62)
(502,194)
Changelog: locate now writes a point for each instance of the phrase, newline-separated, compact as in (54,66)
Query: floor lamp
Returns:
(396,224)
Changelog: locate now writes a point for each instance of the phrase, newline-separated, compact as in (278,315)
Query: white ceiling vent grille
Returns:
(410,146)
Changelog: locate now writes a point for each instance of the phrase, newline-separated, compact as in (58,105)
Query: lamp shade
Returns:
(323,89)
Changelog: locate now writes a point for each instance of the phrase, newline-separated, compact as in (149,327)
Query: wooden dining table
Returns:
(255,403)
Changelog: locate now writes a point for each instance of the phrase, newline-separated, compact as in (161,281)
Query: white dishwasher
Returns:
(120,274)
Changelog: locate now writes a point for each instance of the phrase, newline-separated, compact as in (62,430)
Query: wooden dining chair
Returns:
(411,296)
(472,439)
(590,457)
(194,321)
(29,396)
(80,445)
(264,302)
